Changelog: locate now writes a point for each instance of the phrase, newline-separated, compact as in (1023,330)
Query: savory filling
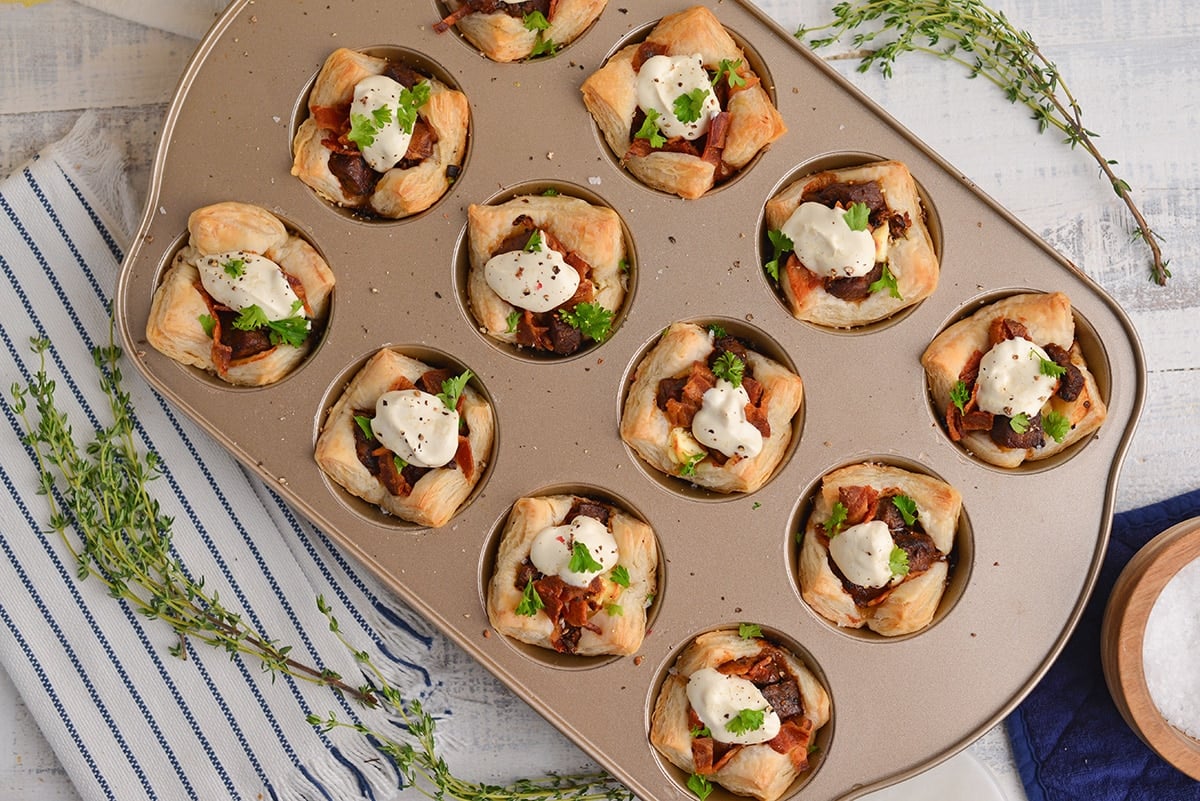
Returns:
(535,15)
(413,429)
(743,702)
(717,410)
(550,286)
(573,573)
(876,542)
(838,240)
(1005,390)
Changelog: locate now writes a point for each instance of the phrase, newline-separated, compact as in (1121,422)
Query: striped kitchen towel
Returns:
(125,717)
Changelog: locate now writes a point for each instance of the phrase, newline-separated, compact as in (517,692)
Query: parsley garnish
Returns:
(620,575)
(746,720)
(857,216)
(748,631)
(531,602)
(837,517)
(898,561)
(907,507)
(235,268)
(730,367)
(1047,367)
(729,70)
(717,331)
(534,243)
(511,320)
(452,388)
(780,243)
(208,324)
(886,281)
(623,265)
(1056,425)
(700,786)
(688,468)
(551,192)
(689,105)
(411,100)
(399,463)
(614,610)
(649,130)
(582,560)
(535,21)
(592,320)
(290,330)
(364,425)
(700,731)
(365,127)
(543,47)
(959,394)
(1019,423)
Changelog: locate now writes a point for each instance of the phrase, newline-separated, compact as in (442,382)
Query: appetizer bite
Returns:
(411,439)
(706,408)
(574,575)
(741,711)
(245,299)
(380,136)
(547,272)
(683,110)
(510,30)
(876,549)
(1011,381)
(851,246)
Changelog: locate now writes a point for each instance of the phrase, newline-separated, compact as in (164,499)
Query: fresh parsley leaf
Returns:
(364,425)
(700,731)
(729,70)
(410,102)
(531,602)
(959,395)
(551,192)
(907,507)
(1056,425)
(1019,423)
(290,331)
(399,463)
(746,720)
(837,518)
(452,389)
(535,21)
(582,560)
(688,468)
(756,505)
(886,281)
(208,324)
(748,631)
(1047,367)
(250,318)
(623,265)
(649,130)
(898,561)
(857,216)
(689,105)
(700,786)
(614,610)
(511,320)
(780,244)
(365,127)
(716,330)
(620,575)
(592,320)
(543,47)
(534,243)
(730,367)
(235,268)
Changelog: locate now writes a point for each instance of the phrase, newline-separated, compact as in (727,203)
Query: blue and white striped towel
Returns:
(127,719)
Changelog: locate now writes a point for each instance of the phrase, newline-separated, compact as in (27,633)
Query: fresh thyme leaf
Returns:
(718,331)
(592,320)
(748,631)
(729,70)
(729,367)
(688,468)
(534,243)
(649,130)
(531,602)
(364,425)
(857,216)
(535,21)
(511,321)
(837,518)
(886,281)
(208,324)
(235,268)
(582,560)
(907,507)
(1056,425)
(689,105)
(452,389)
(1019,423)
(898,561)
(959,395)
(700,786)
(1047,367)
(746,720)
(780,244)
(620,575)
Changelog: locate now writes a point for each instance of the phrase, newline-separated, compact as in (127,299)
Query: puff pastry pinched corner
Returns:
(510,32)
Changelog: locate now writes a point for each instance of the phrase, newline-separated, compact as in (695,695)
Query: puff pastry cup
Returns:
(1075,407)
(616,614)
(502,35)
(682,356)
(866,492)
(181,309)
(591,239)
(330,164)
(610,94)
(903,245)
(427,497)
(754,770)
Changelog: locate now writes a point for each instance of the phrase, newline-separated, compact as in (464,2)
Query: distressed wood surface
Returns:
(1132,65)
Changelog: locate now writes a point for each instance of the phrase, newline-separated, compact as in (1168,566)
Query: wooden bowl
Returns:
(1122,633)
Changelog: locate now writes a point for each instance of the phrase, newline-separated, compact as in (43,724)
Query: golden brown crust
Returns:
(1049,319)
(910,606)
(756,770)
(638,553)
(440,492)
(911,257)
(611,97)
(505,38)
(645,428)
(174,326)
(400,192)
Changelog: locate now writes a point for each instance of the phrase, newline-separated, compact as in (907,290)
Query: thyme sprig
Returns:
(987,44)
(101,492)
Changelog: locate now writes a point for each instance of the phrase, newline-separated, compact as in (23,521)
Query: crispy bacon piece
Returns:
(709,755)
(646,51)
(860,502)
(569,609)
(420,147)
(1003,328)
(681,409)
(794,736)
(802,281)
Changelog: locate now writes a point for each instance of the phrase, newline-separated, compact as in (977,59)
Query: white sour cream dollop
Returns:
(416,426)
(721,422)
(537,280)
(863,553)
(554,546)
(663,79)
(1010,379)
(826,244)
(718,698)
(238,279)
(391,140)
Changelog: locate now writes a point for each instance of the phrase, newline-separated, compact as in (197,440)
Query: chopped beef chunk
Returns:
(854,287)
(1002,433)
(1070,383)
(784,698)
(353,173)
(588,508)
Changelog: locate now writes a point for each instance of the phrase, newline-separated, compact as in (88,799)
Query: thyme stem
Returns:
(1000,52)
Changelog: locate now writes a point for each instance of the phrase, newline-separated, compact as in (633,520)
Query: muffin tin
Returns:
(1030,539)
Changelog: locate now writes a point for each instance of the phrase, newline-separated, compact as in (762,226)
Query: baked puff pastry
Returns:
(748,690)
(845,270)
(377,435)
(513,31)
(380,136)
(547,272)
(876,549)
(541,593)
(1011,382)
(245,299)
(706,408)
(683,110)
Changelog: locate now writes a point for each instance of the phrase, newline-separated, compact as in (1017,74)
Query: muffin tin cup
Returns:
(1037,535)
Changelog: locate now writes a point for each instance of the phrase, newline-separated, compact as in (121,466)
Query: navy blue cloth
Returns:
(1069,740)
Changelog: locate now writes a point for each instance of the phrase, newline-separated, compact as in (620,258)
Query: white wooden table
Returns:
(1132,65)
